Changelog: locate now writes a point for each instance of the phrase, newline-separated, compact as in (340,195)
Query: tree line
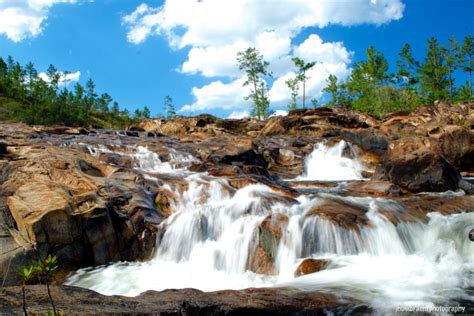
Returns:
(370,88)
(26,96)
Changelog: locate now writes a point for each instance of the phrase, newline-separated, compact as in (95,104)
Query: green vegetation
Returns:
(294,83)
(26,97)
(43,269)
(301,76)
(26,273)
(169,108)
(255,67)
(372,89)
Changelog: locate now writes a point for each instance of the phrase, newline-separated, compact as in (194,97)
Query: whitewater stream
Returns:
(208,241)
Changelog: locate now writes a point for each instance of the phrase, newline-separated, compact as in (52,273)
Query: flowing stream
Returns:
(209,241)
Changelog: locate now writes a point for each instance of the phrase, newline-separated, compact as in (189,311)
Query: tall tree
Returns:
(255,67)
(91,95)
(433,73)
(366,82)
(452,58)
(467,58)
(292,84)
(407,68)
(169,108)
(303,68)
(146,112)
(332,88)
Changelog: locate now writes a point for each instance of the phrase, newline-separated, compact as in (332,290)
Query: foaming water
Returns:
(210,240)
(329,163)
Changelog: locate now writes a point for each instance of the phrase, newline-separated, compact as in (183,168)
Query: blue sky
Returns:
(141,51)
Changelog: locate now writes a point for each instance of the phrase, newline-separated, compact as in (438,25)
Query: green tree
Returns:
(169,108)
(433,73)
(366,79)
(255,67)
(303,68)
(407,68)
(332,88)
(451,56)
(292,84)
(146,113)
(467,58)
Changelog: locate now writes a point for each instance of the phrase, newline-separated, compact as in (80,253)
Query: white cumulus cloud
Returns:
(239,115)
(65,78)
(20,19)
(215,30)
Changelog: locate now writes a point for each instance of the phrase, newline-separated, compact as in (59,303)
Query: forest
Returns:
(26,96)
(371,88)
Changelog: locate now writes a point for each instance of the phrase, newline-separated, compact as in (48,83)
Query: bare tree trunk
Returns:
(304,93)
(450,87)
(470,84)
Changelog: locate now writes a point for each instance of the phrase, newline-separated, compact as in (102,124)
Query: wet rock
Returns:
(372,188)
(269,234)
(411,164)
(310,265)
(164,200)
(262,301)
(341,213)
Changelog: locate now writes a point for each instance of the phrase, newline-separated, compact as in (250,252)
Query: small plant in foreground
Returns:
(45,268)
(26,273)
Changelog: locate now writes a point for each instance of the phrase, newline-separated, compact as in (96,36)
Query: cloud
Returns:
(239,115)
(215,30)
(219,95)
(20,19)
(216,22)
(64,78)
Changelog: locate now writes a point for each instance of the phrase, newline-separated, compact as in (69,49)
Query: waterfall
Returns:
(210,240)
(330,163)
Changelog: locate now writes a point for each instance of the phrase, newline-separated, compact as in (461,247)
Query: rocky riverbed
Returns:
(322,184)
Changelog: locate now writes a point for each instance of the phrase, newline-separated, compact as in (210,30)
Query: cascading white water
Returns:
(209,241)
(328,163)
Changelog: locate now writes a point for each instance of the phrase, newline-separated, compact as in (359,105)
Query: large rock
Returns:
(411,164)
(64,202)
(269,236)
(341,212)
(456,145)
(263,301)
(43,213)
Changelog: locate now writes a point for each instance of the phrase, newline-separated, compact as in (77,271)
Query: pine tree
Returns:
(292,84)
(332,89)
(407,67)
(255,67)
(303,68)
(433,73)
(169,108)
(467,58)
(451,56)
